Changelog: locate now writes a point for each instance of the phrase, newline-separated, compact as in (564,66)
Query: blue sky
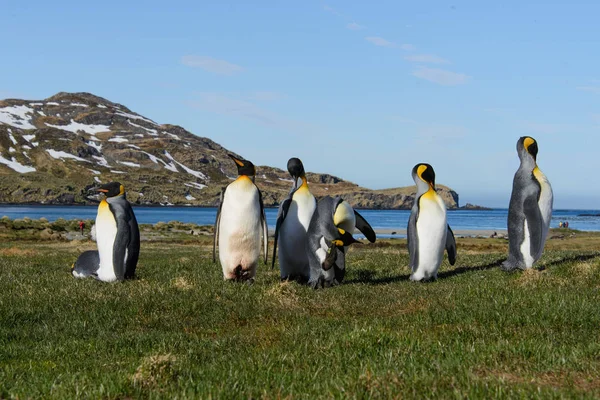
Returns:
(362,90)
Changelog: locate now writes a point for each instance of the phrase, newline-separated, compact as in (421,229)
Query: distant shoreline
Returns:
(34,204)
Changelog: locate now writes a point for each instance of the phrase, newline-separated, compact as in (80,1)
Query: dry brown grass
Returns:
(156,370)
(182,283)
(15,252)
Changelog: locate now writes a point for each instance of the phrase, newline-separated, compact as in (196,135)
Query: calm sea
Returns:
(379,219)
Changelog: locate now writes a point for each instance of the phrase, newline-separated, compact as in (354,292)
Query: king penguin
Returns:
(239,224)
(529,211)
(329,233)
(117,237)
(293,220)
(428,230)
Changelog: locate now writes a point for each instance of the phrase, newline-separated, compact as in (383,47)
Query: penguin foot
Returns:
(509,266)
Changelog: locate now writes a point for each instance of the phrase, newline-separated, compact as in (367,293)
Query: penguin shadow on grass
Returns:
(365,276)
(368,277)
(577,257)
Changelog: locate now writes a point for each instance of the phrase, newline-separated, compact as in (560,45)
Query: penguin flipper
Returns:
(283,210)
(133,247)
(451,246)
(413,240)
(120,248)
(339,268)
(535,224)
(265,229)
(216,227)
(364,227)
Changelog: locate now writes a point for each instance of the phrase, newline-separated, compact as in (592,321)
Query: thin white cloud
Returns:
(379,41)
(593,89)
(223,104)
(441,76)
(210,64)
(353,26)
(407,47)
(266,96)
(426,58)
(333,11)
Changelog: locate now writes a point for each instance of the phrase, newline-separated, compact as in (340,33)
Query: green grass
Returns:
(179,331)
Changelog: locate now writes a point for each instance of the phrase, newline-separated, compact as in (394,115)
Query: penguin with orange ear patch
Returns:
(240,224)
(329,234)
(529,211)
(117,237)
(428,231)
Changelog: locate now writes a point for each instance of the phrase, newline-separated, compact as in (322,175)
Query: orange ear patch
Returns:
(528,142)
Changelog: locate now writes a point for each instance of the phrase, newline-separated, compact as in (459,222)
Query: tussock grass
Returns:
(180,331)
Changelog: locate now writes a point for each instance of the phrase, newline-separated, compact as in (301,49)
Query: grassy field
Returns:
(179,331)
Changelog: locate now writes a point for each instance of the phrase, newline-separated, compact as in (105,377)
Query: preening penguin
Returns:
(117,236)
(239,224)
(293,219)
(428,230)
(329,232)
(87,264)
(529,211)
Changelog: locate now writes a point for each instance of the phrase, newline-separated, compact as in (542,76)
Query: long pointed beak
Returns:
(236,160)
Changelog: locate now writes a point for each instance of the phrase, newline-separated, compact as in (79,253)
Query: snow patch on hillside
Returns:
(133,116)
(151,132)
(101,161)
(15,165)
(195,185)
(129,164)
(61,155)
(190,171)
(76,126)
(16,116)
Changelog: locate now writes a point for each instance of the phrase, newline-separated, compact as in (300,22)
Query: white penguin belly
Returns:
(431,230)
(106,231)
(293,258)
(240,228)
(545,203)
(528,258)
(322,252)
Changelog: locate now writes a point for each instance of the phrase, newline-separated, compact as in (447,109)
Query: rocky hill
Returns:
(52,151)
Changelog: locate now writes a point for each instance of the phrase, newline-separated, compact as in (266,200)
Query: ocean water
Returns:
(379,219)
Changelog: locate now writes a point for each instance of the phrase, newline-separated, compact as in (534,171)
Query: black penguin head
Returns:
(295,167)
(112,189)
(527,145)
(244,167)
(424,172)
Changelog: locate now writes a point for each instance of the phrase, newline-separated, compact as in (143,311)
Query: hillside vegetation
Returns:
(53,151)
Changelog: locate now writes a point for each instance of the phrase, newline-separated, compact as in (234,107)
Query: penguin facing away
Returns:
(529,211)
(239,224)
(329,233)
(117,237)
(428,231)
(293,219)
